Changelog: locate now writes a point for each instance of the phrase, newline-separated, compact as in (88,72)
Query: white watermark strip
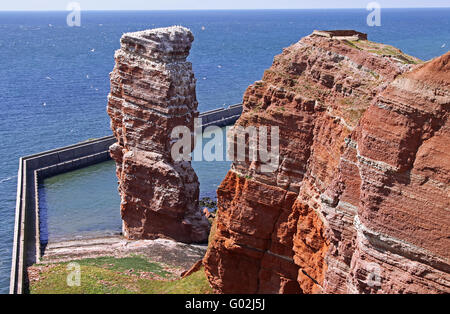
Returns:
(74,17)
(374,17)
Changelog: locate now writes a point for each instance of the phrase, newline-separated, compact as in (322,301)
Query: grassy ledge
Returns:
(110,275)
(383,50)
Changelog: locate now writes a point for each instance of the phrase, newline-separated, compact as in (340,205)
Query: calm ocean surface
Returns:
(54,79)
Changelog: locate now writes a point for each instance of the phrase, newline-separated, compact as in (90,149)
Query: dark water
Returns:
(43,61)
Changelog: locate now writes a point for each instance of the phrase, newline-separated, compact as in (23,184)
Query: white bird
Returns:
(443,46)
(93,49)
(44,104)
(203,28)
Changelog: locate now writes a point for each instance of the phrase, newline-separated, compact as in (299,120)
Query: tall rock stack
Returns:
(153,91)
(359,202)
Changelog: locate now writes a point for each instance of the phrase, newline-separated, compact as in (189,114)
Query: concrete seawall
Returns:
(221,117)
(26,245)
(34,168)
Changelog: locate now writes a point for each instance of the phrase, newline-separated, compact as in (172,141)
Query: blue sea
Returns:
(54,79)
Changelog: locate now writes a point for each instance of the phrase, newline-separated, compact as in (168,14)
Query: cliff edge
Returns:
(359,201)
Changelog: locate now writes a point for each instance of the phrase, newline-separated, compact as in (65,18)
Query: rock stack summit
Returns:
(153,91)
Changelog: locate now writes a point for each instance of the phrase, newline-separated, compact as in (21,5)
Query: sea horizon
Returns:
(234,10)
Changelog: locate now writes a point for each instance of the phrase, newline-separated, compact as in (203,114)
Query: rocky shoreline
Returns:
(166,251)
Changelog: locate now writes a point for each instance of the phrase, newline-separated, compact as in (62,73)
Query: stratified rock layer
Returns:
(153,91)
(401,223)
(360,200)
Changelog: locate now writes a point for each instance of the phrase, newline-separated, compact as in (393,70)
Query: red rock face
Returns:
(153,91)
(402,223)
(359,202)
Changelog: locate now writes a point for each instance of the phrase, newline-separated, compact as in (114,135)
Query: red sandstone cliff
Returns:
(153,91)
(360,200)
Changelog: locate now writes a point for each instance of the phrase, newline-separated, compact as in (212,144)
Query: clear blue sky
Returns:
(210,4)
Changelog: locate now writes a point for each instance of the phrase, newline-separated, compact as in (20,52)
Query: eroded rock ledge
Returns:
(153,91)
(360,201)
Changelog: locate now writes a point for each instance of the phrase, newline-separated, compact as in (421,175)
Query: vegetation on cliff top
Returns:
(109,275)
(383,50)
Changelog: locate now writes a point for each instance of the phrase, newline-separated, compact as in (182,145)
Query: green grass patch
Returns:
(109,275)
(194,284)
(382,50)
(131,264)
